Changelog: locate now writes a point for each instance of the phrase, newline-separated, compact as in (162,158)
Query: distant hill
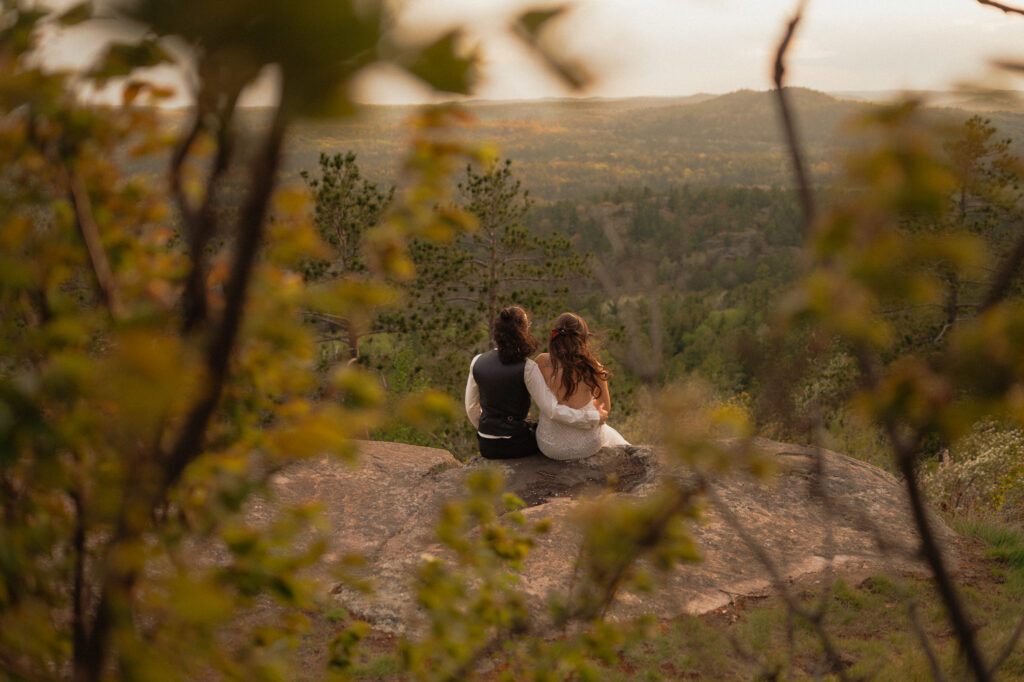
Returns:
(580,147)
(968,100)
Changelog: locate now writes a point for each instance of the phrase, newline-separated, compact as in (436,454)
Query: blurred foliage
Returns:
(155,375)
(159,346)
(476,610)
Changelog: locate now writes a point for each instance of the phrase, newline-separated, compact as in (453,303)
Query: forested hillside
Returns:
(576,148)
(714,256)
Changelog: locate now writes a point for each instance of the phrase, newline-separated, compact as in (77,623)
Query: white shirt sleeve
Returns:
(582,418)
(473,397)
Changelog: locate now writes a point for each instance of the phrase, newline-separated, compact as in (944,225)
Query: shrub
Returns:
(982,475)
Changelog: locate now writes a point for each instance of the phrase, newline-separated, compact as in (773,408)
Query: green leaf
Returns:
(441,67)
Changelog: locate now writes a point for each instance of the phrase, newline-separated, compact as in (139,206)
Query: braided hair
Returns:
(511,333)
(572,356)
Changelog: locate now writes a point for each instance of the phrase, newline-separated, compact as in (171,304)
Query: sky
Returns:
(681,47)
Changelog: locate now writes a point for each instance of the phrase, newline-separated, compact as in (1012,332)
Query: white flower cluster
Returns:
(982,475)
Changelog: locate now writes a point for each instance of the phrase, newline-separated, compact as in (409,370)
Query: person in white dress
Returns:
(502,383)
(576,378)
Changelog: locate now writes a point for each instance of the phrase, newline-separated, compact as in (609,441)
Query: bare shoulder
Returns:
(544,360)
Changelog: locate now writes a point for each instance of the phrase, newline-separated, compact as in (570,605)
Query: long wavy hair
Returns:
(572,356)
(511,333)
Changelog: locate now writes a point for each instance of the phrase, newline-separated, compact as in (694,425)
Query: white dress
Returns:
(558,441)
(563,433)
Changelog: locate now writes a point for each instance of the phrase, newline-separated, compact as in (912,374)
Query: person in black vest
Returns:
(502,382)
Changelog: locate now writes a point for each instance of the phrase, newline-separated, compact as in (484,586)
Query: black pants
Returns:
(522,444)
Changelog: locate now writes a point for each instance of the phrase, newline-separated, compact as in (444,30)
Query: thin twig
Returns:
(1008,271)
(1007,9)
(886,547)
(905,451)
(146,493)
(250,234)
(933,659)
(1008,648)
(814,619)
(90,232)
(463,671)
(188,212)
(204,219)
(612,580)
(796,155)
(78,629)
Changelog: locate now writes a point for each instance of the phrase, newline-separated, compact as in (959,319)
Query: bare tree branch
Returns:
(90,232)
(796,155)
(590,605)
(176,167)
(1008,271)
(906,448)
(1010,645)
(78,627)
(203,220)
(150,484)
(250,233)
(922,637)
(933,554)
(1006,9)
(815,619)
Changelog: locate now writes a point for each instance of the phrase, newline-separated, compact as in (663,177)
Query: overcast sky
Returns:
(681,47)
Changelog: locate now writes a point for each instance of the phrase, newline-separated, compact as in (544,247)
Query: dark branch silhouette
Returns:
(154,478)
(200,222)
(1007,9)
(815,618)
(1010,645)
(796,155)
(250,234)
(906,449)
(90,232)
(1008,271)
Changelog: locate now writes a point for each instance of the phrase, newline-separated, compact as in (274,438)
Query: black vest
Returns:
(504,400)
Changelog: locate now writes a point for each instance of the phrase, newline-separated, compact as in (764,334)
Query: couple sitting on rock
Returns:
(568,384)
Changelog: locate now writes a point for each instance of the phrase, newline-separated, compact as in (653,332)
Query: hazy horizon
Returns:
(680,48)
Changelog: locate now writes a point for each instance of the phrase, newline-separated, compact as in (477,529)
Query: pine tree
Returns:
(345,206)
(464,284)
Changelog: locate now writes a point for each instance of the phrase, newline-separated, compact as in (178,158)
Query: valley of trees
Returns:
(182,319)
